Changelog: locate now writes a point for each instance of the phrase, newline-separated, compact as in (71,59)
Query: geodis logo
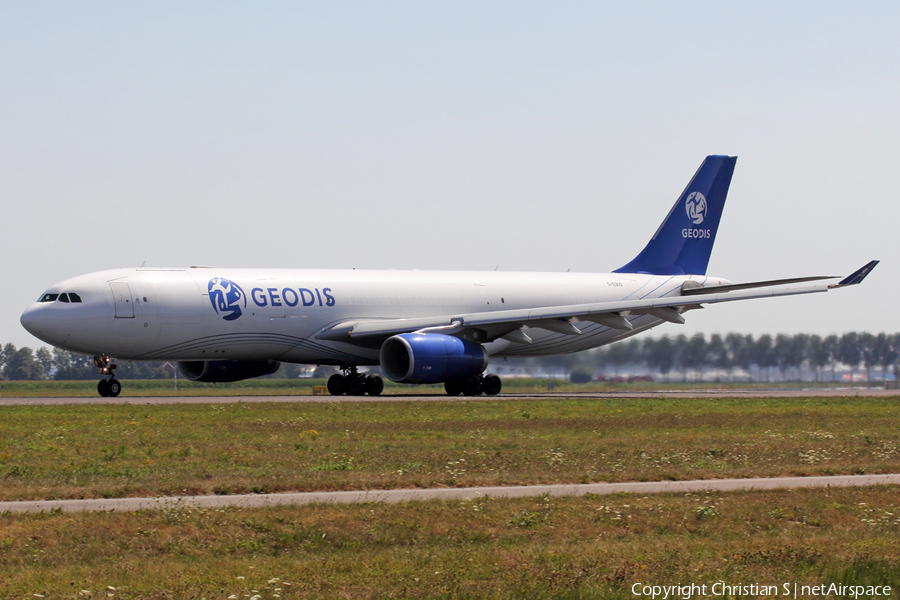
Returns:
(695,206)
(230,301)
(227,297)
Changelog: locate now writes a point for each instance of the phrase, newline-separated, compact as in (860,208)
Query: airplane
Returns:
(420,327)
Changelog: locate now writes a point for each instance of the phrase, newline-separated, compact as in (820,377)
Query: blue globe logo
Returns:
(226,297)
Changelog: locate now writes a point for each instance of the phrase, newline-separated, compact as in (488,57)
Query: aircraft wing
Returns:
(559,318)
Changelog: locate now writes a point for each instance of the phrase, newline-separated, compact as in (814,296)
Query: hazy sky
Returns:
(424,135)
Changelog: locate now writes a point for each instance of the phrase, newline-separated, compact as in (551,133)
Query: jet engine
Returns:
(430,358)
(223,371)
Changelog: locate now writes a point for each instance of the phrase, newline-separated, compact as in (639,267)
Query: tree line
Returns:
(758,358)
(732,354)
(59,364)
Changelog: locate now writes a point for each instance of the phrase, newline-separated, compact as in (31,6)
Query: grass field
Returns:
(589,547)
(51,452)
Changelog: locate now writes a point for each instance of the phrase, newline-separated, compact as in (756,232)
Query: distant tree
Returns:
(563,362)
(894,342)
(8,352)
(849,352)
(764,354)
(790,352)
(660,355)
(868,353)
(623,353)
(596,359)
(71,366)
(885,353)
(581,374)
(817,354)
(678,343)
(22,365)
(739,351)
(717,353)
(781,349)
(45,359)
(693,355)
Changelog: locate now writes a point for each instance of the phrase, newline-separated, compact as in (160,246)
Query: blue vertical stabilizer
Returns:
(684,241)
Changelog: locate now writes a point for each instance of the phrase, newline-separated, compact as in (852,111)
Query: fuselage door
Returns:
(122,297)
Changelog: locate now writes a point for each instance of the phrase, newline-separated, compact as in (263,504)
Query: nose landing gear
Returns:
(109,386)
(354,384)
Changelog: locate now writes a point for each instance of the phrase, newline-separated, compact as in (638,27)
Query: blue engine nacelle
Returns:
(224,371)
(430,358)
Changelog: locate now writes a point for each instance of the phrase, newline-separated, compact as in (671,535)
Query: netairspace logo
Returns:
(227,297)
(784,590)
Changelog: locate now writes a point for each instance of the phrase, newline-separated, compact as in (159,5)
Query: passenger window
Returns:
(49,297)
(63,297)
(74,297)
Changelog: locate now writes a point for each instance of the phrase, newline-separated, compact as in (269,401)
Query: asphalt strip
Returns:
(848,392)
(418,495)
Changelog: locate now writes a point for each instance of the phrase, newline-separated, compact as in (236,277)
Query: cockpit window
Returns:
(63,297)
(74,297)
(49,297)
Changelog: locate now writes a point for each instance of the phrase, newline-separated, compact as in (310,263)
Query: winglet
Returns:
(857,276)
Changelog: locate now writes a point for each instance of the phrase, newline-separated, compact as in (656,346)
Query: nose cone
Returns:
(41,322)
(32,321)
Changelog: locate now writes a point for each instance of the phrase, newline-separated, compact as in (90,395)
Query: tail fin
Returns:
(683,243)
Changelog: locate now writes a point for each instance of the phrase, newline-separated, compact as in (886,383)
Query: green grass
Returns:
(589,547)
(147,450)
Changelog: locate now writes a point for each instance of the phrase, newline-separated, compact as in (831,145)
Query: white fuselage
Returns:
(179,314)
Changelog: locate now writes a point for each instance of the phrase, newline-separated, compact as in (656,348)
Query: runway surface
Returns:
(418,495)
(701,393)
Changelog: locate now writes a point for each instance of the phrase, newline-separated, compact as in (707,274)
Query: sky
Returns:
(464,135)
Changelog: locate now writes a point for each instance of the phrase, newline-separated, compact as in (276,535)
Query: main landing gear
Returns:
(354,384)
(109,386)
(474,386)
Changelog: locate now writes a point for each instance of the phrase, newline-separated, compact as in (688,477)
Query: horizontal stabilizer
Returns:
(858,275)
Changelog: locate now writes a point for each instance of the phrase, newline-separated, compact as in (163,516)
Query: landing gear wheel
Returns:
(374,385)
(354,385)
(471,386)
(114,387)
(336,385)
(491,385)
(453,387)
(103,388)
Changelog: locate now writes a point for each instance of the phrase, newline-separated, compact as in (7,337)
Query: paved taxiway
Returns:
(702,393)
(417,495)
